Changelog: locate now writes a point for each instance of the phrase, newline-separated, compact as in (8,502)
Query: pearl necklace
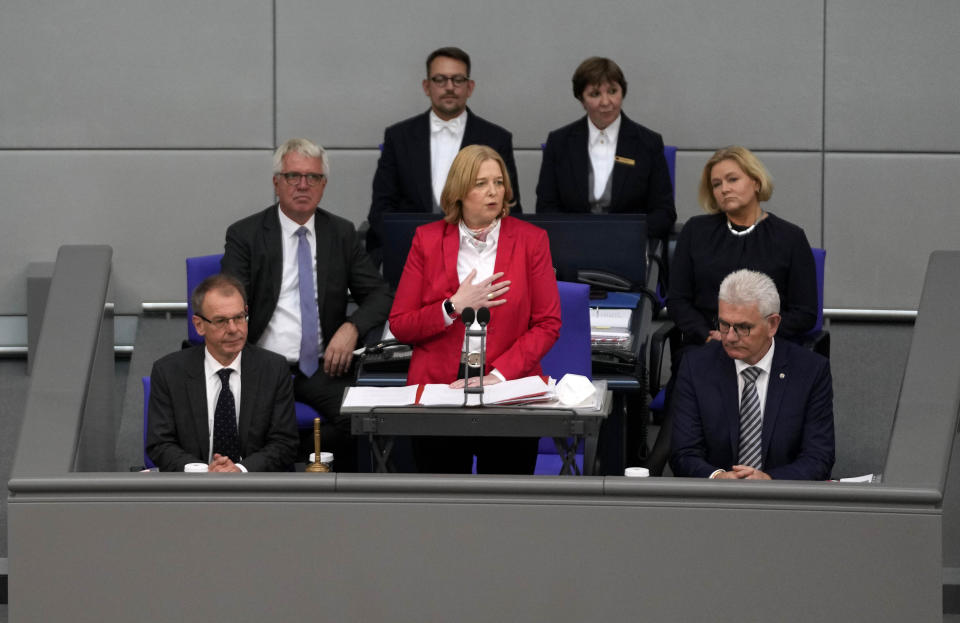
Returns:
(746,231)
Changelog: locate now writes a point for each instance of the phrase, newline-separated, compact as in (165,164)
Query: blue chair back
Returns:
(198,269)
(146,403)
(819,258)
(571,352)
(670,154)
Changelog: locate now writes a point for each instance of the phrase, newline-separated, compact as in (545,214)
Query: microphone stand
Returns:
(482,316)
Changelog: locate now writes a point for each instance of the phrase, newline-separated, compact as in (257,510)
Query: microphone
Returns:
(483,316)
(467,315)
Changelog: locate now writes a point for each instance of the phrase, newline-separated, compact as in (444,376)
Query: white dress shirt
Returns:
(282,334)
(763,379)
(445,139)
(602,147)
(210,368)
(469,258)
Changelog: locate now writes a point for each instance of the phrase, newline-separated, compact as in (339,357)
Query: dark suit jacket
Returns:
(178,431)
(520,332)
(254,254)
(643,187)
(403,183)
(798,442)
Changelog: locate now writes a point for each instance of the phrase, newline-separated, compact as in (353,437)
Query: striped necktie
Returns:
(751,422)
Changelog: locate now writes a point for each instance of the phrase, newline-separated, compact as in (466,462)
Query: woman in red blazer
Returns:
(477,256)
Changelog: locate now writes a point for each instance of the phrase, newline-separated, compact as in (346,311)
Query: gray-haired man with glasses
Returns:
(297,262)
(417,152)
(225,403)
(752,406)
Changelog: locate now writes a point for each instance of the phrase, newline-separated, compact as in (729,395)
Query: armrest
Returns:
(667,331)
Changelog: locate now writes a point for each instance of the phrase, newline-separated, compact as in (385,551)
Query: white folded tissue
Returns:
(575,389)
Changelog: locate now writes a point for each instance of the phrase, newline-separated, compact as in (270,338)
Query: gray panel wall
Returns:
(851,103)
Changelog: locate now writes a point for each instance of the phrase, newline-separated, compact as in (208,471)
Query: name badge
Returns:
(627,161)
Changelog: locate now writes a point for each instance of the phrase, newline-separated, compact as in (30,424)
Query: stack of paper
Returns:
(609,326)
(520,391)
(381,396)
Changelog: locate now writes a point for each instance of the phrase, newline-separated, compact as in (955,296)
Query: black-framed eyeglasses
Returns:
(458,81)
(222,323)
(742,329)
(293,178)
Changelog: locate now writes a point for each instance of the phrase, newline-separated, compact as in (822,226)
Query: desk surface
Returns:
(492,421)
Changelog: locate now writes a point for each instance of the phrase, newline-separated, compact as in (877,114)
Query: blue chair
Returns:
(198,269)
(670,154)
(570,354)
(146,403)
(818,338)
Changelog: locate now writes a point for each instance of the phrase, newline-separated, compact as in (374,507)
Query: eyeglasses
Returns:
(458,81)
(293,178)
(222,323)
(741,329)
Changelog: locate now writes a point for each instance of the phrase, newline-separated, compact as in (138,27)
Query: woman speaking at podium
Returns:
(477,256)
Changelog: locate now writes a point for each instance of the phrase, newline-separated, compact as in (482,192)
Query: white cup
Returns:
(636,472)
(195,468)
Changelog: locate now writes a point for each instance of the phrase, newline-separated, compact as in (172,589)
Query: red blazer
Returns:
(520,332)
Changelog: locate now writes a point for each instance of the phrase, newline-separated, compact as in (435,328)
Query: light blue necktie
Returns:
(309,316)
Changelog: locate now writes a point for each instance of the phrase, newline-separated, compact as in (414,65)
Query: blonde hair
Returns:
(750,164)
(463,176)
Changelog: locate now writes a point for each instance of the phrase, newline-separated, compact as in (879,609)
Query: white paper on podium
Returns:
(508,391)
(381,396)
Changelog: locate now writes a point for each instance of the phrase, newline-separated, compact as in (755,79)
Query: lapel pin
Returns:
(782,375)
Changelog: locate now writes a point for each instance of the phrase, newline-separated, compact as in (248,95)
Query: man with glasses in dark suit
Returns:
(224,403)
(418,152)
(751,406)
(298,262)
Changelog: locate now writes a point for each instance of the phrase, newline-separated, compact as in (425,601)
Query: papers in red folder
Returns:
(527,390)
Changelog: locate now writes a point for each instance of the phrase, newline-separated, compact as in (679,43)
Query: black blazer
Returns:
(797,434)
(178,431)
(642,187)
(254,254)
(403,183)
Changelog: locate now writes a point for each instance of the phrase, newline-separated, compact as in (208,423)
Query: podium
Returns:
(566,426)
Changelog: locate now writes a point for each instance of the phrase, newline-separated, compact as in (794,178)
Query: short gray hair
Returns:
(303,147)
(746,287)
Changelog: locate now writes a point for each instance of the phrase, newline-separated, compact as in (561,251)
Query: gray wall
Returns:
(148,126)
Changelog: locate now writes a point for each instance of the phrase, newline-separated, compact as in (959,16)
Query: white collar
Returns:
(289,226)
(765,363)
(493,236)
(457,125)
(612,131)
(211,366)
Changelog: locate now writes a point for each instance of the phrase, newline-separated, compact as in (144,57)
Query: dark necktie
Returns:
(309,316)
(226,442)
(751,423)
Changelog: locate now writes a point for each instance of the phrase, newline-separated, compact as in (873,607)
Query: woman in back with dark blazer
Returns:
(738,233)
(604,162)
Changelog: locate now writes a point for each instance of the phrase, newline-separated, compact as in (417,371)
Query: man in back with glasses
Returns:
(224,403)
(417,152)
(297,262)
(751,406)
